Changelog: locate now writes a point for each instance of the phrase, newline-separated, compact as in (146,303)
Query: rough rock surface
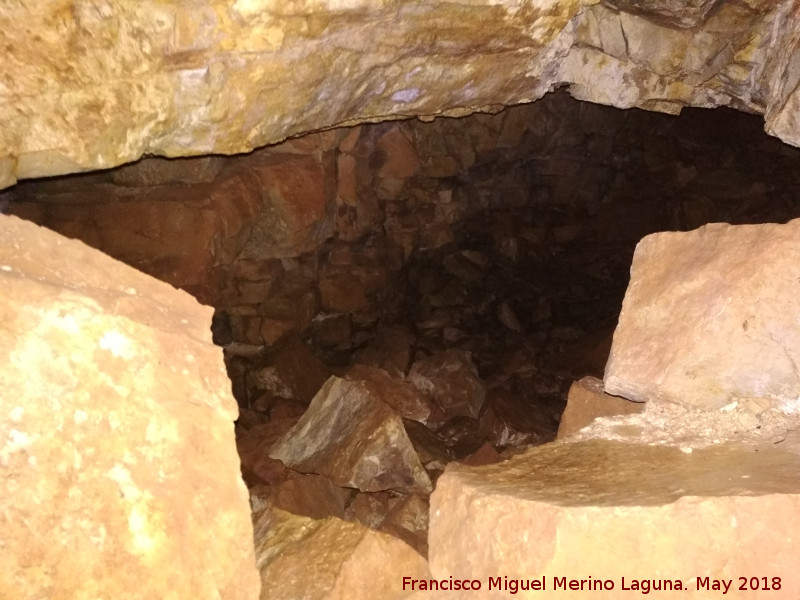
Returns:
(587,401)
(451,379)
(710,317)
(406,400)
(305,559)
(312,496)
(116,442)
(353,438)
(606,510)
(215,77)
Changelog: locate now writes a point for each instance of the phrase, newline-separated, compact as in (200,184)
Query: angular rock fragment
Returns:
(306,559)
(292,371)
(451,379)
(406,400)
(512,419)
(312,496)
(587,401)
(710,316)
(352,437)
(408,520)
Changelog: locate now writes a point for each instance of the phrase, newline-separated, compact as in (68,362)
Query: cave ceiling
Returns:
(91,84)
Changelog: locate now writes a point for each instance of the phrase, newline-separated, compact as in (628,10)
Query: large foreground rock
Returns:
(117,456)
(711,316)
(605,510)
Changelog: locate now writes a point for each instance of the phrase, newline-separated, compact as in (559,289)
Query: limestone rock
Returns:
(116,444)
(673,12)
(450,378)
(711,316)
(214,77)
(352,437)
(303,559)
(587,401)
(607,510)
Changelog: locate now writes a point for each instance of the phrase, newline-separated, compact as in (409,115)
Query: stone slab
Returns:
(711,316)
(607,510)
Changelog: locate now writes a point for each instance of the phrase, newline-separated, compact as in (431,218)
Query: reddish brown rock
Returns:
(710,316)
(116,444)
(350,278)
(330,559)
(485,455)
(450,378)
(587,401)
(432,451)
(406,400)
(294,217)
(370,508)
(390,350)
(408,520)
(161,171)
(292,371)
(253,445)
(352,437)
(607,510)
(400,159)
(312,496)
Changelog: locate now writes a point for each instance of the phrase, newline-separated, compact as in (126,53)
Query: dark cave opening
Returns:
(479,262)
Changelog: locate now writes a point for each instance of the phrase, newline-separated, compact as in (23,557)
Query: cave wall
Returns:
(90,84)
(326,224)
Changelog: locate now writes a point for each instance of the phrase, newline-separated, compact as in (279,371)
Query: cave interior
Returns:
(496,246)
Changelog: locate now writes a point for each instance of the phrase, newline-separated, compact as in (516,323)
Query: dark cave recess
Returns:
(507,235)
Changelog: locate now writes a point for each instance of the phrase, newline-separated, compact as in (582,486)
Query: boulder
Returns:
(353,438)
(710,316)
(451,379)
(624,516)
(116,446)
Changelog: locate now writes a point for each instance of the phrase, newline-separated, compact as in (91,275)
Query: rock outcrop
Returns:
(216,77)
(120,475)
